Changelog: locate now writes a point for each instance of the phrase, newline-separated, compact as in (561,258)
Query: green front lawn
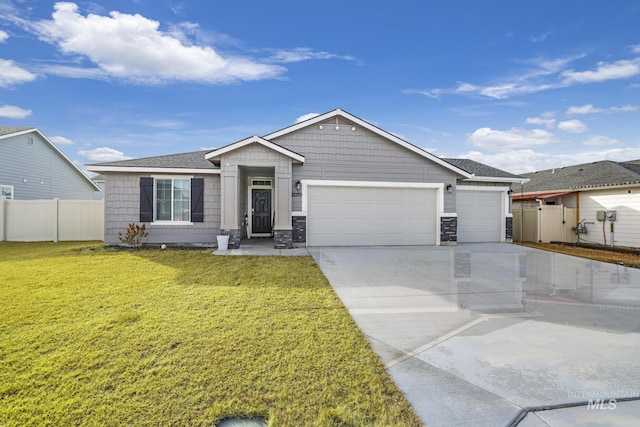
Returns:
(93,336)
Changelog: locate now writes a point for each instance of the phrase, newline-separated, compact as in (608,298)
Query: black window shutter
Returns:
(146,199)
(197,199)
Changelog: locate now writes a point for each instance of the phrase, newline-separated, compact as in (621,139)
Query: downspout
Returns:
(577,207)
(539,220)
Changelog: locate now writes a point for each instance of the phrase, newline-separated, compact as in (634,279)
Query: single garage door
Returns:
(362,216)
(479,215)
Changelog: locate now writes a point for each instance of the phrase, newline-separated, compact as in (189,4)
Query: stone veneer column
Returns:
(448,230)
(299,223)
(509,230)
(234,238)
(283,239)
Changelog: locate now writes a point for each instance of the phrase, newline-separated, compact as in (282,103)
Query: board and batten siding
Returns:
(122,207)
(48,175)
(360,155)
(626,203)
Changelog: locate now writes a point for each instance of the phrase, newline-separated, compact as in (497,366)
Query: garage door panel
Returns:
(352,216)
(479,215)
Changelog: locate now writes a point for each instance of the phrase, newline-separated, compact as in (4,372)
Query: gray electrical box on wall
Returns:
(611,215)
(601,215)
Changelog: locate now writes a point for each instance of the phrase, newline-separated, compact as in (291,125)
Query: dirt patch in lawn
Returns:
(628,257)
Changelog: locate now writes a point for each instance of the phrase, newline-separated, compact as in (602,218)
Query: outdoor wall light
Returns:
(298,185)
(337,127)
(510,191)
(320,127)
(353,128)
(449,188)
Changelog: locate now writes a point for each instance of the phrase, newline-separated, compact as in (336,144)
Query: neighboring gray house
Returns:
(333,180)
(604,196)
(32,168)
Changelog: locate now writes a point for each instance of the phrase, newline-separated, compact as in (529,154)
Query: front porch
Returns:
(255,192)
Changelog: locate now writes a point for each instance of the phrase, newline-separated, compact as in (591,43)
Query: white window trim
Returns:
(155,201)
(13,195)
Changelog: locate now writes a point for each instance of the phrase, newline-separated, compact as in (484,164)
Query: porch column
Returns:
(283,230)
(229,204)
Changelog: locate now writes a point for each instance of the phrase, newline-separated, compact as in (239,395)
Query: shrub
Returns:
(133,235)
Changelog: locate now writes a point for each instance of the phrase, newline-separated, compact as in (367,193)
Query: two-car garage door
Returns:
(369,215)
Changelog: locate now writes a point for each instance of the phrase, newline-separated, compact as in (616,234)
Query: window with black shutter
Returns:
(171,199)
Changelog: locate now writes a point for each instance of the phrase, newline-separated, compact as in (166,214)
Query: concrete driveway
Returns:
(498,334)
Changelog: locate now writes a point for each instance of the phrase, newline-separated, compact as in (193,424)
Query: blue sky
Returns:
(519,85)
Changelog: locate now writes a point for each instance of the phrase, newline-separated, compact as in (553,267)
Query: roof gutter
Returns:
(140,169)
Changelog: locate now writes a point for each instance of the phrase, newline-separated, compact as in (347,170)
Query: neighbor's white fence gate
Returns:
(51,220)
(546,223)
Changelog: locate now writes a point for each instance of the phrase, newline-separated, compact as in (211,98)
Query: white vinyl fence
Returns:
(51,220)
(546,223)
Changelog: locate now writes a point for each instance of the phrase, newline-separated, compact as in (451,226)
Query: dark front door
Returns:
(261,208)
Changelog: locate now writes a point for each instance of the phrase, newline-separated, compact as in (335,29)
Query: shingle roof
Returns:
(190,160)
(479,169)
(605,173)
(7,130)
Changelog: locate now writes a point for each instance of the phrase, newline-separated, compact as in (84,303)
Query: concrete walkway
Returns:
(498,334)
(262,247)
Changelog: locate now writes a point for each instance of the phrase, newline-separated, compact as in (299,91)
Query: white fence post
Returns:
(2,218)
(56,226)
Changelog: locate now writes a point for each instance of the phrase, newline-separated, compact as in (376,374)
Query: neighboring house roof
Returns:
(601,174)
(181,162)
(10,131)
(482,171)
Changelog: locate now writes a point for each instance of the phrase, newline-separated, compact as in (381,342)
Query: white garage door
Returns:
(361,216)
(479,215)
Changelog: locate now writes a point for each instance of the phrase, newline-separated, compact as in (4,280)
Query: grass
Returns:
(94,336)
(627,258)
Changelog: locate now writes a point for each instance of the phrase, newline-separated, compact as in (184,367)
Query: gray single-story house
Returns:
(604,197)
(332,180)
(33,168)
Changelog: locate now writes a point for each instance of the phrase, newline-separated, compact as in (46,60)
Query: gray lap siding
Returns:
(360,155)
(122,207)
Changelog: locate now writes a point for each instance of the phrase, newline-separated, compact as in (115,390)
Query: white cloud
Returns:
(584,109)
(306,117)
(545,119)
(3,36)
(13,112)
(540,74)
(626,108)
(572,126)
(590,109)
(601,141)
(103,154)
(534,78)
(635,48)
(11,74)
(131,47)
(304,54)
(523,161)
(540,38)
(605,71)
(512,138)
(61,140)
